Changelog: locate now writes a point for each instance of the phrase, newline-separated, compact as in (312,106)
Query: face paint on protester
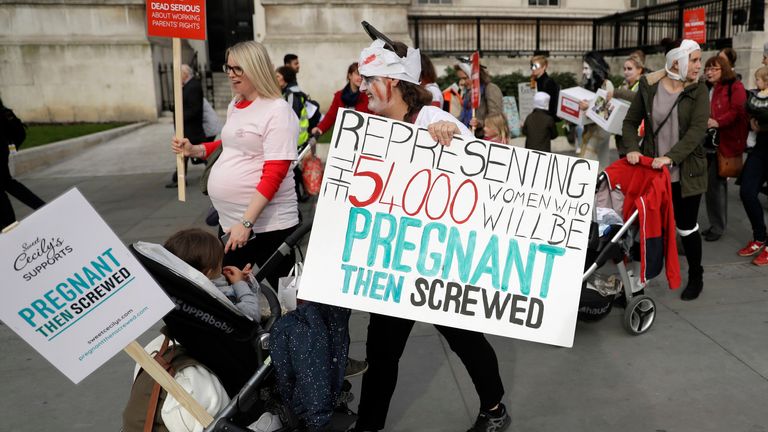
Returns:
(378,94)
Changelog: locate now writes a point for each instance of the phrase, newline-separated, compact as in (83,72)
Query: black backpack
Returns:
(17,130)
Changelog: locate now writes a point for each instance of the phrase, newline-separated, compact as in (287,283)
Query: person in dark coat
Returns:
(545,83)
(728,117)
(539,127)
(674,107)
(8,184)
(192,94)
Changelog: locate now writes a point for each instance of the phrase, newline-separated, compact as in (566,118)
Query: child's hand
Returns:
(233,274)
(246,271)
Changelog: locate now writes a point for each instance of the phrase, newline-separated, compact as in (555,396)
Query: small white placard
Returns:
(525,93)
(608,114)
(568,105)
(72,290)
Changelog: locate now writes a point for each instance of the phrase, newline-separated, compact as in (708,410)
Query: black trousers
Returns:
(387,337)
(11,186)
(754,174)
(258,250)
(686,217)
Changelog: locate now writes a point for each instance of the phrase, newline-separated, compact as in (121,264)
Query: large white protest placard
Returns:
(72,290)
(476,235)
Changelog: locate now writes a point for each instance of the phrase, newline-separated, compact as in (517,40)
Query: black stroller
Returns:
(214,332)
(600,293)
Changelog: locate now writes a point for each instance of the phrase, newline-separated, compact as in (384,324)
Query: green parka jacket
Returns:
(688,152)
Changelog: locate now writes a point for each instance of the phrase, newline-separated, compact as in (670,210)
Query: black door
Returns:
(229,22)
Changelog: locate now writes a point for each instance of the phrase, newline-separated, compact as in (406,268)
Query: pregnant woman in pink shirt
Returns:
(248,184)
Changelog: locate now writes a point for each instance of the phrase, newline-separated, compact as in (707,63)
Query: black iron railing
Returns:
(614,34)
(165,78)
(646,28)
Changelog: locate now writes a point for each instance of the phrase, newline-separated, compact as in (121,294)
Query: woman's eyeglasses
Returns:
(712,69)
(237,70)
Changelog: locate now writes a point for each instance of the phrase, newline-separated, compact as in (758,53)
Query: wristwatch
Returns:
(246,223)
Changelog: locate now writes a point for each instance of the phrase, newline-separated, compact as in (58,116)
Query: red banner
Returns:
(475,80)
(184,19)
(695,25)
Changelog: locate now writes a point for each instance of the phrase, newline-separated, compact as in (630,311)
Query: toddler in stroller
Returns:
(627,194)
(235,348)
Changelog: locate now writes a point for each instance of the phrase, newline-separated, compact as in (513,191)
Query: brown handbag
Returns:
(729,166)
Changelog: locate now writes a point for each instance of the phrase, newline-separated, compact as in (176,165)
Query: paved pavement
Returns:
(702,367)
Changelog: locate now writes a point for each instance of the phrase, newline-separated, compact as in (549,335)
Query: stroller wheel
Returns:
(639,315)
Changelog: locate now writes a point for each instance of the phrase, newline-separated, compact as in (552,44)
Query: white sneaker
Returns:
(268,422)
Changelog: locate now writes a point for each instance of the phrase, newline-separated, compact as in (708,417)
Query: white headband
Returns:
(467,69)
(379,61)
(680,55)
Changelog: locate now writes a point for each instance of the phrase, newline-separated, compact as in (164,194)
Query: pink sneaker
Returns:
(751,248)
(761,259)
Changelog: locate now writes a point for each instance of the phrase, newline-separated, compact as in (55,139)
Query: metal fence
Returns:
(646,28)
(165,78)
(614,34)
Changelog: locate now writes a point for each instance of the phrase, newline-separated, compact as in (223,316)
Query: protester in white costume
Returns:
(391,73)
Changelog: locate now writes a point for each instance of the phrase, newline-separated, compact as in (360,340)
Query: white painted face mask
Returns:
(379,61)
(681,55)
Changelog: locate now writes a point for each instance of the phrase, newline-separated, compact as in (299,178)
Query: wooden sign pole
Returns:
(159,374)
(178,104)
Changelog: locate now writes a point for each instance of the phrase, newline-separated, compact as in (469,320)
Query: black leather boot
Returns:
(695,284)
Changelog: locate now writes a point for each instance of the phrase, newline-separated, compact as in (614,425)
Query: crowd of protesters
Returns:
(703,128)
(679,119)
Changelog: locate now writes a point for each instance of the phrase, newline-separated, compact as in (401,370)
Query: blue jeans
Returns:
(753,175)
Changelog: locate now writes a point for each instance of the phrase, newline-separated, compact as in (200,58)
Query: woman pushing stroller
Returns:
(675,108)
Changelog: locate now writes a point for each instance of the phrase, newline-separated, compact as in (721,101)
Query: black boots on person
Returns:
(692,246)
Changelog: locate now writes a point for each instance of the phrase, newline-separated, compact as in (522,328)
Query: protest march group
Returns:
(429,210)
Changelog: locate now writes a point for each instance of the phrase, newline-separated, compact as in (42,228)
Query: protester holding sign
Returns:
(192,91)
(595,139)
(12,132)
(490,97)
(249,184)
(675,109)
(391,73)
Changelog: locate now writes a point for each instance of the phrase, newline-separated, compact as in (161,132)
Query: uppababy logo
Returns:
(40,254)
(202,316)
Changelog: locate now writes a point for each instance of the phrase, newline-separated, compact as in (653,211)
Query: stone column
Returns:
(749,47)
(327,36)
